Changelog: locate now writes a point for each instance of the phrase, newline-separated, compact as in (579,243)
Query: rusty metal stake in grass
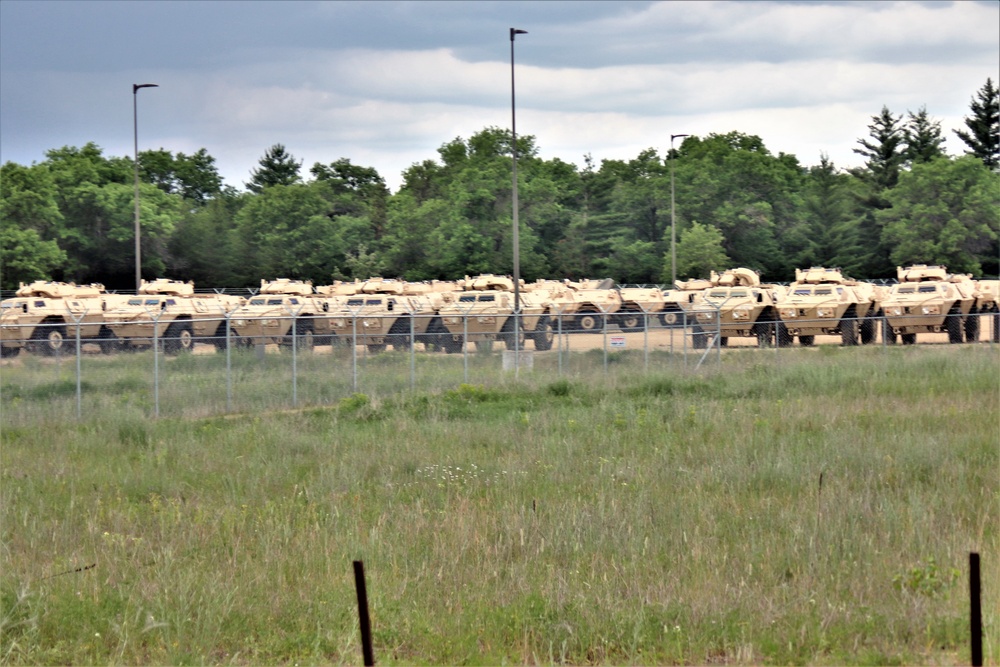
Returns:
(366,627)
(976,611)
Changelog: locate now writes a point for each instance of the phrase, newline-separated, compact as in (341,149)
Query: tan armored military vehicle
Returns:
(483,310)
(637,304)
(988,309)
(678,302)
(582,306)
(737,305)
(43,317)
(927,299)
(270,315)
(823,301)
(389,312)
(171,313)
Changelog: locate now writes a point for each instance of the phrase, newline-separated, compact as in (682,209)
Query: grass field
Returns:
(819,510)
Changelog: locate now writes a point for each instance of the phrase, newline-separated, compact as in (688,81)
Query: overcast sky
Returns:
(384,84)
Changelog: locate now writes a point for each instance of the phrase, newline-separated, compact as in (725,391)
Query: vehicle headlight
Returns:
(486,319)
(706,317)
(824,312)
(931,310)
(270,323)
(453,320)
(788,313)
(741,314)
(894,311)
(239,323)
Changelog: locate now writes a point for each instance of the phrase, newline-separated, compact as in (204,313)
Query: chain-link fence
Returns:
(210,365)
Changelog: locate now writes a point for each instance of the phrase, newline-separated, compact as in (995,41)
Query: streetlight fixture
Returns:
(513,134)
(135,132)
(673,217)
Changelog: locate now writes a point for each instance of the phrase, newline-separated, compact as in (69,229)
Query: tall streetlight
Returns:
(673,216)
(135,132)
(513,135)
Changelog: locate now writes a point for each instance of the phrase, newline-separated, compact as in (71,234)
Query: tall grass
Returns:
(815,511)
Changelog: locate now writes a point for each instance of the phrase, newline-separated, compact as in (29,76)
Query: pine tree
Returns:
(984,126)
(277,167)
(885,155)
(923,137)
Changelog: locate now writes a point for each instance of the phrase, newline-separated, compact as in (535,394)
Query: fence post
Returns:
(976,611)
(229,363)
(366,629)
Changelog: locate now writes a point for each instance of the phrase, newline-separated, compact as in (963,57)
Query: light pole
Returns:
(513,135)
(673,216)
(135,133)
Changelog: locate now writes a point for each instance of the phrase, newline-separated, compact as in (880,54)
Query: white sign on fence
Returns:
(618,342)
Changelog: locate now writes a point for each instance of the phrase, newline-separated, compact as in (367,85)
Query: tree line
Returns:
(71,217)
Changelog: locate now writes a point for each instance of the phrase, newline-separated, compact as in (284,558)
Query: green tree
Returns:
(983,136)
(25,256)
(923,138)
(885,152)
(277,167)
(944,212)
(699,251)
(194,177)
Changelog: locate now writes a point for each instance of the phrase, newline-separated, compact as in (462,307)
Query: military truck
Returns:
(43,316)
(927,299)
(170,313)
(268,317)
(583,306)
(737,305)
(386,312)
(483,312)
(679,301)
(822,301)
(986,311)
(636,304)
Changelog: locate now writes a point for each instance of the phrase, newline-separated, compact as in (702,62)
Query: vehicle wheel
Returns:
(888,335)
(953,324)
(699,339)
(484,346)
(305,334)
(764,332)
(807,341)
(544,334)
(908,338)
(972,327)
(178,338)
(630,321)
(784,338)
(399,334)
(674,317)
(9,352)
(376,348)
(507,335)
(588,323)
(869,329)
(107,341)
(450,345)
(996,327)
(48,340)
(849,329)
(723,341)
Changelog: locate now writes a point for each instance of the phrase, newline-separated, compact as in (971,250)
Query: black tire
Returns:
(48,340)
(484,346)
(305,334)
(544,335)
(399,334)
(953,324)
(450,345)
(107,341)
(630,321)
(807,341)
(376,348)
(699,339)
(219,339)
(784,338)
(764,331)
(178,338)
(888,335)
(588,322)
(996,327)
(908,338)
(849,328)
(672,317)
(507,335)
(972,326)
(9,352)
(723,341)
(869,329)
